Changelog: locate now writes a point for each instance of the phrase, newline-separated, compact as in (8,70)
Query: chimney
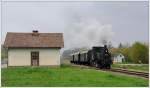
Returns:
(35,33)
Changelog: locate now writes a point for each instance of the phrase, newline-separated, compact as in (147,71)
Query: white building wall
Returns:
(22,57)
(119,59)
(18,57)
(49,57)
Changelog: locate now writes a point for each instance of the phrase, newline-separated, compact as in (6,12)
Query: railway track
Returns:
(136,73)
(119,70)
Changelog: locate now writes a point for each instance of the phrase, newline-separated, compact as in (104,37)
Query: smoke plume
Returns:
(87,32)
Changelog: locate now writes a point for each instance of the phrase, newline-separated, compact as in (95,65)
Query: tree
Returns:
(114,51)
(120,45)
(139,53)
(126,52)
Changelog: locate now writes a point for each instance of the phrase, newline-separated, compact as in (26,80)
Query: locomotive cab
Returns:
(98,56)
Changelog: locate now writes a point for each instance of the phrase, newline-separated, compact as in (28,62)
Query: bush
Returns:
(3,52)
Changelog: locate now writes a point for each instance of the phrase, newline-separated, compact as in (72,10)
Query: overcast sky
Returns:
(83,23)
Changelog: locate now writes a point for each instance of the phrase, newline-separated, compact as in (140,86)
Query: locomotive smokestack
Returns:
(105,46)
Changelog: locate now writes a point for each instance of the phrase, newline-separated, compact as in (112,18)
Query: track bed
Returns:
(137,73)
(118,70)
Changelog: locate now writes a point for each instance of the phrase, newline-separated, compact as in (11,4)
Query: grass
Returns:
(136,67)
(66,76)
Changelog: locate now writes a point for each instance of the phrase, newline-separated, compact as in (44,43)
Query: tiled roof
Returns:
(34,40)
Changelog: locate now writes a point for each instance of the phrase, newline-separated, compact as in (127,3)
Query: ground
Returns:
(67,75)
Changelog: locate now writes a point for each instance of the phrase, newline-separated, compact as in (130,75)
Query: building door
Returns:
(34,58)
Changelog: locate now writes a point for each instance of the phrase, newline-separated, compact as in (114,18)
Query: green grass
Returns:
(66,76)
(138,67)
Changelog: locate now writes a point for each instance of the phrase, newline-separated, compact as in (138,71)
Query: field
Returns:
(67,76)
(136,67)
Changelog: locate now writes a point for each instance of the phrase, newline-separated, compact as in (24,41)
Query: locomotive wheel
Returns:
(108,66)
(100,67)
(96,65)
(91,63)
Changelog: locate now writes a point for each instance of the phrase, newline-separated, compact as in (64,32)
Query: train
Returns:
(98,57)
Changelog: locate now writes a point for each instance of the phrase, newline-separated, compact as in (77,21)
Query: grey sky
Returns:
(116,21)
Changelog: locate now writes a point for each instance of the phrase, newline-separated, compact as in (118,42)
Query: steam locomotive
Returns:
(98,57)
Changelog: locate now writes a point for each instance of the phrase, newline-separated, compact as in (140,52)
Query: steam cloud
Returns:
(87,32)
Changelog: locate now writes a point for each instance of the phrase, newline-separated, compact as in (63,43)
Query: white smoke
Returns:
(87,32)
